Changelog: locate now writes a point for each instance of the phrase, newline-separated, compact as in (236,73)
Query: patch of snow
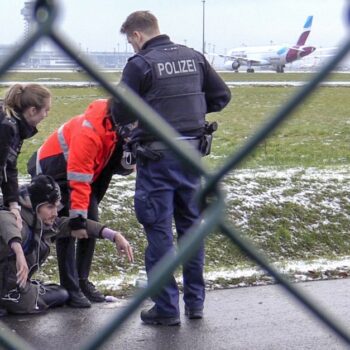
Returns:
(297,269)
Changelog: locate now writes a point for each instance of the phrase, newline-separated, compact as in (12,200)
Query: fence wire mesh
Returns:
(45,13)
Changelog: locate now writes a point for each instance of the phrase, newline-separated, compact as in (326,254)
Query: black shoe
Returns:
(90,291)
(194,314)
(152,316)
(78,300)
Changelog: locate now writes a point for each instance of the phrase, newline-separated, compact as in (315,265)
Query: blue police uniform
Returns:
(182,87)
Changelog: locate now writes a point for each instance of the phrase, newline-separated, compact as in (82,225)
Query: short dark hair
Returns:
(142,21)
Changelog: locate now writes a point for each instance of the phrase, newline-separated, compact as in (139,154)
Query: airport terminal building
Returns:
(47,56)
(55,59)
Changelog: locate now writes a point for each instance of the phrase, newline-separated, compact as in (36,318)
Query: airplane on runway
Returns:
(276,56)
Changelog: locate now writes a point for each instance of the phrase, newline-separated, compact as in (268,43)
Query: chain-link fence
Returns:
(213,215)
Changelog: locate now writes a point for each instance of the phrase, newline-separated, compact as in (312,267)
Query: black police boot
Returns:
(194,314)
(78,300)
(152,316)
(90,291)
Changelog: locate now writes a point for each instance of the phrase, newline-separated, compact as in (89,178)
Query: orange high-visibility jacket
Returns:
(86,142)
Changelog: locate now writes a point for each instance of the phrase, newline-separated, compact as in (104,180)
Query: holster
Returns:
(205,144)
(207,138)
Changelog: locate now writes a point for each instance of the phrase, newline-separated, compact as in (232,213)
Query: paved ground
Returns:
(243,318)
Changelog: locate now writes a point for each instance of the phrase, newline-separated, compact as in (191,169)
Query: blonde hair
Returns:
(20,97)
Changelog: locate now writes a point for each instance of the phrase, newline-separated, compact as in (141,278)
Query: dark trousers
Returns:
(34,298)
(165,189)
(75,258)
(54,295)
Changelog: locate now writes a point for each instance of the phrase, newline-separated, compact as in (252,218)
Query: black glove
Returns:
(77,223)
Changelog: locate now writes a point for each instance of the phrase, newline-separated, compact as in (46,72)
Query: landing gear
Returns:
(250,70)
(280,69)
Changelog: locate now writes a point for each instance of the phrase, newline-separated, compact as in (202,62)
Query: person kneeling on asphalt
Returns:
(23,252)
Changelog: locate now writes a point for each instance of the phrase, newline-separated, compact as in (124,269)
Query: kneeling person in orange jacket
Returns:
(81,155)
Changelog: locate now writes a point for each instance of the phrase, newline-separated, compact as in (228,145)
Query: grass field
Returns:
(317,134)
(272,198)
(54,76)
(115,76)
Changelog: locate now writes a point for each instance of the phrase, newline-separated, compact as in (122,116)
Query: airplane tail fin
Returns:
(306,31)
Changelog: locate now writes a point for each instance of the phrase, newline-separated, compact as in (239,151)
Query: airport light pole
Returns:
(203,31)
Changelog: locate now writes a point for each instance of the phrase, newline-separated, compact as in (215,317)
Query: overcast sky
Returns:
(94,24)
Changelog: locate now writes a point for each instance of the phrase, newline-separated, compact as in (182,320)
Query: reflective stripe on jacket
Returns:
(86,142)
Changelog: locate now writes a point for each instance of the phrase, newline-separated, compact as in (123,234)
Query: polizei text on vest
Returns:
(173,68)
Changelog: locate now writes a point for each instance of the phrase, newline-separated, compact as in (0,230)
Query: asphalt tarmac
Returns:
(262,317)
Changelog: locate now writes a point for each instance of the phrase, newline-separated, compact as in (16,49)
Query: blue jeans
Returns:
(165,189)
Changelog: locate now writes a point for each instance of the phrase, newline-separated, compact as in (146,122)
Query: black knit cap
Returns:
(43,189)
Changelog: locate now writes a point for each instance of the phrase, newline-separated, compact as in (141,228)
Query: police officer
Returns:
(182,87)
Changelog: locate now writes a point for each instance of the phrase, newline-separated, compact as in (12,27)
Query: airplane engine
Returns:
(232,65)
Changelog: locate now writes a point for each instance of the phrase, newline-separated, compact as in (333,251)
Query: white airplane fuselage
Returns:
(274,55)
(264,54)
(268,55)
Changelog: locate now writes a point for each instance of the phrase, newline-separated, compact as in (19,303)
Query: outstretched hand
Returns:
(124,246)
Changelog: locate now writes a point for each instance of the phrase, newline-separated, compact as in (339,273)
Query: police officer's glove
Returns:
(124,131)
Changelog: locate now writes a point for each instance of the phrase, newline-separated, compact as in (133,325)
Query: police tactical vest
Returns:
(176,90)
